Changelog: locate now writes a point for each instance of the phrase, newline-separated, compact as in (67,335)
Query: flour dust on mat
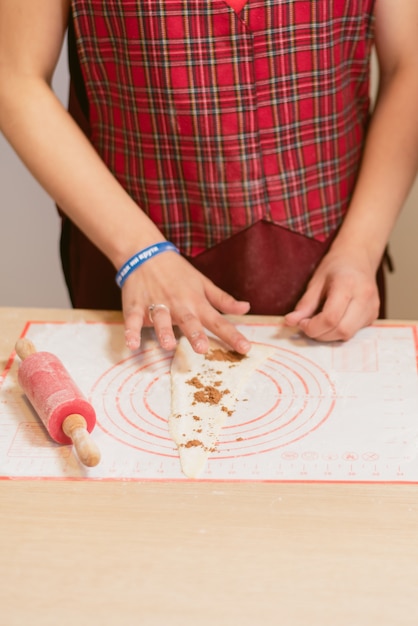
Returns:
(204,393)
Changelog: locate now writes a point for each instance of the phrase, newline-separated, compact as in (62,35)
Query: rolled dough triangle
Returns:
(204,392)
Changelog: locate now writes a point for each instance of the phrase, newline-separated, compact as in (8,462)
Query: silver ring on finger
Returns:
(156,307)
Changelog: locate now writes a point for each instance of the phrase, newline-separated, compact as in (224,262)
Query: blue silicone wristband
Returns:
(139,258)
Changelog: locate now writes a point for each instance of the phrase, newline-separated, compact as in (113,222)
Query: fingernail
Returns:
(167,340)
(243,346)
(132,344)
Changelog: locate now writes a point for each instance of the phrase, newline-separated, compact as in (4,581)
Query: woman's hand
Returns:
(191,302)
(341,297)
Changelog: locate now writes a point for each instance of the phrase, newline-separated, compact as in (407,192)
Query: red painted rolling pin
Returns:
(65,412)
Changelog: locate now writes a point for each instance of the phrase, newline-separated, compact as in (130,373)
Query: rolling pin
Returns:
(65,412)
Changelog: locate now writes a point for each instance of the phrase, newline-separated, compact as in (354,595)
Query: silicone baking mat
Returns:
(311,412)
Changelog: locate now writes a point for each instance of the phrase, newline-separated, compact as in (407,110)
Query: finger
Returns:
(357,315)
(160,317)
(223,301)
(307,306)
(226,331)
(309,328)
(338,321)
(134,320)
(344,312)
(194,326)
(328,321)
(193,329)
(218,325)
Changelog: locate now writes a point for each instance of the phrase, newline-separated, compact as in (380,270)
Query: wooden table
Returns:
(129,553)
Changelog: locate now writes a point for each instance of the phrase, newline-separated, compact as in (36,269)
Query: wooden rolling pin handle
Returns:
(75,427)
(24,348)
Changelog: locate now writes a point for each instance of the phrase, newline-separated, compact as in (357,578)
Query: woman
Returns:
(240,132)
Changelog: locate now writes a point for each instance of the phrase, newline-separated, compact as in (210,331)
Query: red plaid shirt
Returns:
(214,118)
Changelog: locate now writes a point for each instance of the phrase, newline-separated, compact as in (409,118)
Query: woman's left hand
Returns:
(341,297)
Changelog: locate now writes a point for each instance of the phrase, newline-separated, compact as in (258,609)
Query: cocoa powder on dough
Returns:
(195,382)
(193,443)
(209,394)
(217,354)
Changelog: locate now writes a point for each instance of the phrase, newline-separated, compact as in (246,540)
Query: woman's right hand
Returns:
(191,301)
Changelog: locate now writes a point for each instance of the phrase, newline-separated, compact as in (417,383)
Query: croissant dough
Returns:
(204,392)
